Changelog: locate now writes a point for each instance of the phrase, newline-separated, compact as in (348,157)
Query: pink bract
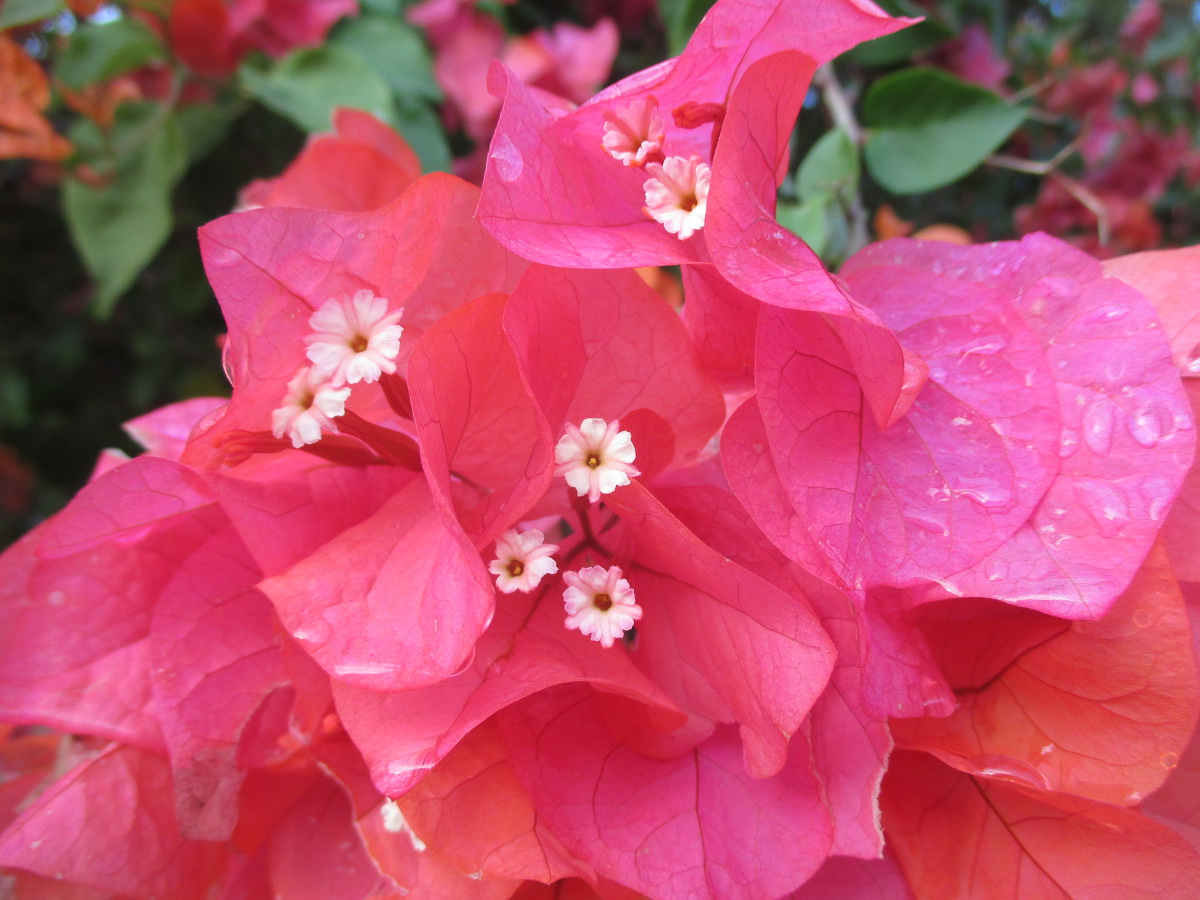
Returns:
(553,195)
(373,163)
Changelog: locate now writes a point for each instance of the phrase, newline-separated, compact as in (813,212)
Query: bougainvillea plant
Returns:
(500,576)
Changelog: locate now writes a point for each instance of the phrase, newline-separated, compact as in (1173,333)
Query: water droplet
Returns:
(506,158)
(404,767)
(1169,760)
(1141,618)
(1146,427)
(1006,768)
(1068,444)
(1191,363)
(1098,426)
(314,634)
(349,670)
(1158,508)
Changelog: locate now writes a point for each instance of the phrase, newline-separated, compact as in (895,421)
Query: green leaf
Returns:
(306,86)
(394,50)
(119,227)
(806,220)
(680,17)
(928,129)
(423,130)
(390,8)
(24,12)
(830,167)
(96,53)
(204,125)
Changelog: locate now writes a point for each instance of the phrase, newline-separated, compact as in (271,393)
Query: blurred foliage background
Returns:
(124,127)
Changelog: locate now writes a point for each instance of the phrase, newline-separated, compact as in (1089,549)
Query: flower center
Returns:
(602,602)
(359,343)
(593,461)
(516,568)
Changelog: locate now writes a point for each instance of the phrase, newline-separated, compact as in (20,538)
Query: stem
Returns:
(842,114)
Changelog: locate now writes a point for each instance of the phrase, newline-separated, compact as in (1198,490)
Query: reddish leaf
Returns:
(761,258)
(1089,711)
(845,878)
(288,505)
(960,836)
(1126,437)
(272,268)
(476,419)
(396,601)
(417,873)
(74,652)
(936,491)
(686,827)
(316,852)
(709,616)
(511,841)
(201,34)
(1177,802)
(215,656)
(165,431)
(1167,278)
(1181,532)
(110,824)
(603,344)
(24,131)
(849,740)
(525,650)
(364,165)
(551,192)
(722,322)
(277,26)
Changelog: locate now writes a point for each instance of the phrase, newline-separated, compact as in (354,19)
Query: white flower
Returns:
(677,194)
(634,133)
(354,340)
(600,603)
(309,408)
(522,560)
(595,458)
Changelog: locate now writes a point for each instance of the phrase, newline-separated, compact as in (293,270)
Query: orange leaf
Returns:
(24,93)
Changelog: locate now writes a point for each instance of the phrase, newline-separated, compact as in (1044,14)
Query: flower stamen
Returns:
(354,339)
(600,603)
(311,404)
(677,194)
(596,458)
(522,560)
(634,135)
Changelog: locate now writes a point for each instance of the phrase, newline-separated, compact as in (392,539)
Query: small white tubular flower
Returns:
(600,603)
(677,194)
(595,458)
(634,133)
(522,560)
(311,404)
(354,340)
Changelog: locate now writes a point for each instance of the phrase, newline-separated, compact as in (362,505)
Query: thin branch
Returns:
(842,113)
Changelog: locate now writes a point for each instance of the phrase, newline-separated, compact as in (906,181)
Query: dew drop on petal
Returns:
(1146,427)
(1006,768)
(1191,363)
(1068,443)
(506,158)
(1098,426)
(1169,760)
